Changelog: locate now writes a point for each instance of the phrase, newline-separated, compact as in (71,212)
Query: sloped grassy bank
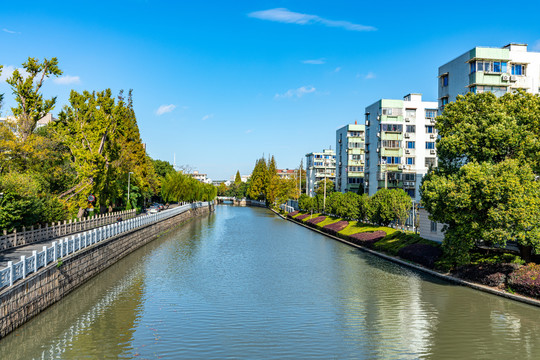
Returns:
(495,273)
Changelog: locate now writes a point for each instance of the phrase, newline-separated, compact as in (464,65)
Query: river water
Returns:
(242,283)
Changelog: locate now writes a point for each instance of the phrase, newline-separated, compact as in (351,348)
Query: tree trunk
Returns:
(80,213)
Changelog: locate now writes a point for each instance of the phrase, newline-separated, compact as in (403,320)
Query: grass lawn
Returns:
(329,220)
(356,227)
(392,243)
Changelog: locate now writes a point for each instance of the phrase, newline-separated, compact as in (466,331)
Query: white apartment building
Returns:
(319,166)
(400,144)
(483,69)
(350,158)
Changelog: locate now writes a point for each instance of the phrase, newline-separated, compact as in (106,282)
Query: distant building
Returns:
(400,144)
(45,120)
(487,69)
(428,229)
(286,173)
(350,158)
(12,121)
(201,177)
(244,178)
(319,165)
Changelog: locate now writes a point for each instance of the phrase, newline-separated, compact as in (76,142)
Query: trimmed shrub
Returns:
(316,220)
(292,213)
(486,274)
(301,217)
(367,239)
(421,253)
(336,227)
(526,280)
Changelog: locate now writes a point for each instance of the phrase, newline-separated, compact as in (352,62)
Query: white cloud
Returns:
(67,79)
(298,93)
(7,71)
(163,109)
(10,31)
(315,61)
(338,69)
(286,16)
(206,117)
(536,45)
(370,75)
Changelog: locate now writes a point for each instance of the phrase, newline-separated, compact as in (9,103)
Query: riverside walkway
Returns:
(15,254)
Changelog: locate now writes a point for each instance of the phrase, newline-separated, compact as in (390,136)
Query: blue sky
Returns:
(221,83)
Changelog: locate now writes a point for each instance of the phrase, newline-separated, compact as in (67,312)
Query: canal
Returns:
(242,283)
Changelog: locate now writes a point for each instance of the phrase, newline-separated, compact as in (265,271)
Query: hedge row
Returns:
(367,239)
(336,227)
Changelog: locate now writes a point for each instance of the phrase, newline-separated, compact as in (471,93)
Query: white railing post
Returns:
(61,248)
(23,259)
(34,254)
(73,241)
(45,257)
(11,272)
(55,252)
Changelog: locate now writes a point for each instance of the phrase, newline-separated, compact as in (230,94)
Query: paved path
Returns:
(26,250)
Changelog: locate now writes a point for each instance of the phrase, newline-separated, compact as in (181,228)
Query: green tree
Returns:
(30,103)
(388,205)
(237,178)
(482,139)
(257,188)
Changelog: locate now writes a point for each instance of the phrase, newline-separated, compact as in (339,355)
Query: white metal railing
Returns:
(40,233)
(69,245)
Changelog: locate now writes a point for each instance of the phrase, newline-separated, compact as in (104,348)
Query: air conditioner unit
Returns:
(513,78)
(432,136)
(432,152)
(367,122)
(407,151)
(407,119)
(367,151)
(505,77)
(378,150)
(432,121)
(378,134)
(339,141)
(407,135)
(378,117)
(402,167)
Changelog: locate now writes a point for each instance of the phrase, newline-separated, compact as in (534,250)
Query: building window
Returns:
(356,168)
(392,127)
(497,90)
(410,113)
(431,162)
(430,129)
(444,101)
(367,117)
(491,66)
(444,80)
(393,144)
(410,145)
(433,226)
(390,160)
(354,180)
(410,128)
(431,113)
(408,177)
(518,69)
(430,145)
(409,161)
(473,67)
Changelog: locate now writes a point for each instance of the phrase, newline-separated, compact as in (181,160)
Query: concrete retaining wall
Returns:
(24,300)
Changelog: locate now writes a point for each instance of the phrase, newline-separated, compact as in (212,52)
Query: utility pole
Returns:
(324,197)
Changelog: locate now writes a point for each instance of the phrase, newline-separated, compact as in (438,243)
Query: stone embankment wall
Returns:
(27,298)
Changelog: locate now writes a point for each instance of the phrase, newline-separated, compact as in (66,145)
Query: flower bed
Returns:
(526,280)
(367,239)
(336,227)
(291,214)
(316,220)
(301,217)
(422,254)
